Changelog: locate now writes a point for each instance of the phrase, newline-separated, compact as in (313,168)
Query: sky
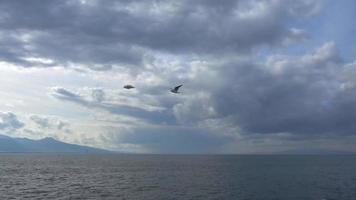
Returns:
(259,76)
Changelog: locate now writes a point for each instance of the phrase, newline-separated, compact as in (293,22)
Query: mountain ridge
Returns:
(45,145)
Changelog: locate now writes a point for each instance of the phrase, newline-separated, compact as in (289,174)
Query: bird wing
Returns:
(128,86)
(176,88)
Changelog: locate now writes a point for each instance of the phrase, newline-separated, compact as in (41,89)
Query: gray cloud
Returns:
(101,35)
(301,95)
(9,122)
(171,139)
(307,96)
(50,123)
(98,95)
(160,117)
(298,95)
(229,90)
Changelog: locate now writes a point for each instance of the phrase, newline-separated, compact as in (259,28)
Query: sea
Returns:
(141,177)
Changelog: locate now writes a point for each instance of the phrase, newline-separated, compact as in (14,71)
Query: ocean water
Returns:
(43,176)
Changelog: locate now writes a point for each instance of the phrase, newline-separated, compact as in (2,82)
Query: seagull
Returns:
(128,87)
(175,90)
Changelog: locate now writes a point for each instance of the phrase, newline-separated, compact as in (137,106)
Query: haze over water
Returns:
(59,176)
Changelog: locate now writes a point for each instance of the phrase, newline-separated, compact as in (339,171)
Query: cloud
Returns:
(50,123)
(126,33)
(298,95)
(117,108)
(202,105)
(98,95)
(303,97)
(62,93)
(9,122)
(244,79)
(170,139)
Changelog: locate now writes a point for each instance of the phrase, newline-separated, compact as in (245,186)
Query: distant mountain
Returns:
(45,145)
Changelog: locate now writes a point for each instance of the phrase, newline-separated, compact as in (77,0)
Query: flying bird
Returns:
(128,87)
(175,89)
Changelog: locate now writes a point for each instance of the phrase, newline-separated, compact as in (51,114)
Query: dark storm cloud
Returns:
(64,31)
(300,95)
(102,34)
